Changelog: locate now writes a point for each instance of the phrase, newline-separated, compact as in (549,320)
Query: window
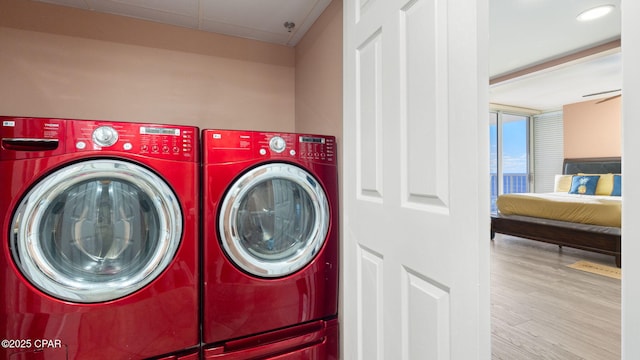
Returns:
(509,154)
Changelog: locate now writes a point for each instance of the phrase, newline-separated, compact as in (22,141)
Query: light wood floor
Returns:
(541,309)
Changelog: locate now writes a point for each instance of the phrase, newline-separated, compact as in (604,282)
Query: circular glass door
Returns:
(96,231)
(274,220)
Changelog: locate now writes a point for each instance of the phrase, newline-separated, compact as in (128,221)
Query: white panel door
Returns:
(416,218)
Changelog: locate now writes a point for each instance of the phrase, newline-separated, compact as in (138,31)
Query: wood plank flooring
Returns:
(541,309)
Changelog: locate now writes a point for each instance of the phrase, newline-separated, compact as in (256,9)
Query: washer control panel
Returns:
(155,140)
(28,137)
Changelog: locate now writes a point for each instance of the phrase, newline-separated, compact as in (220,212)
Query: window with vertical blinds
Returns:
(548,144)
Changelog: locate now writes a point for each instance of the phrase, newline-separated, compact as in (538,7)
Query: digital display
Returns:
(313,140)
(159,131)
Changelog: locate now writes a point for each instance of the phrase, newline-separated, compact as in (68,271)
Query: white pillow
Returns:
(562,183)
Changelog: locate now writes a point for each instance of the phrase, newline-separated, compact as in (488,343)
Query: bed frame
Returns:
(580,239)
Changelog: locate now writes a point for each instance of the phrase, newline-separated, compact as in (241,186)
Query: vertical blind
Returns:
(548,144)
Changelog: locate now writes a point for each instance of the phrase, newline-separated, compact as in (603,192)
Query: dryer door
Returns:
(96,231)
(274,220)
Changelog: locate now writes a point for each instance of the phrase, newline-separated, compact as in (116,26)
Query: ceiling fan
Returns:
(605,92)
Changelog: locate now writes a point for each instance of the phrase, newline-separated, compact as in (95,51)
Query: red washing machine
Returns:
(270,253)
(99,256)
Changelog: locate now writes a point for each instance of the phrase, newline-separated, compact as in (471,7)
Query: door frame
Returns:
(630,130)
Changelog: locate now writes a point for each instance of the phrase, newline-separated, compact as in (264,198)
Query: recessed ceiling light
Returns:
(595,12)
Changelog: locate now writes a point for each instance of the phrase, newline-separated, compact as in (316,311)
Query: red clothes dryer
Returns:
(270,252)
(99,256)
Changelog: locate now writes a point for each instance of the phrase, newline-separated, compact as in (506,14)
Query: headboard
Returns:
(603,165)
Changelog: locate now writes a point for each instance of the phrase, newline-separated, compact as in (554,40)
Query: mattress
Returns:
(583,209)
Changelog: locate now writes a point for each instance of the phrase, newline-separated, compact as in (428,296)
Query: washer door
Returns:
(96,231)
(274,220)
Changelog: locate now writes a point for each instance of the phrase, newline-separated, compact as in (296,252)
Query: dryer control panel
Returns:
(39,137)
(233,145)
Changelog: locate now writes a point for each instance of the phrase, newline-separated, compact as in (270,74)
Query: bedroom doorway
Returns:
(538,307)
(510,157)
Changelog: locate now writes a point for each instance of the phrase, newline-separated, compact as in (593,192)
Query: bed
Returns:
(602,236)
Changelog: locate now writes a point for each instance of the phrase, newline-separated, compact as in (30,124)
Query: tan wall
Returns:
(319,75)
(63,62)
(592,130)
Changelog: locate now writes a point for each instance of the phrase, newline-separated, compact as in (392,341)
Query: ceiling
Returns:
(253,19)
(523,34)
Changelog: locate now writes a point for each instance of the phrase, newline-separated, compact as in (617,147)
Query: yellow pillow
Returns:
(605,184)
(563,183)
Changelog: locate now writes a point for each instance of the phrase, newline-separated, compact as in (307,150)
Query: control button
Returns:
(176,149)
(144,148)
(165,149)
(105,136)
(277,144)
(80,145)
(155,148)
(127,146)
(292,152)
(263,152)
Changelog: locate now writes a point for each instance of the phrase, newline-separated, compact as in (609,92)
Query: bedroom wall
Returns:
(64,62)
(592,130)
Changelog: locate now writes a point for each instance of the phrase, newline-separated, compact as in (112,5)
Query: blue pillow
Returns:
(584,184)
(617,185)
